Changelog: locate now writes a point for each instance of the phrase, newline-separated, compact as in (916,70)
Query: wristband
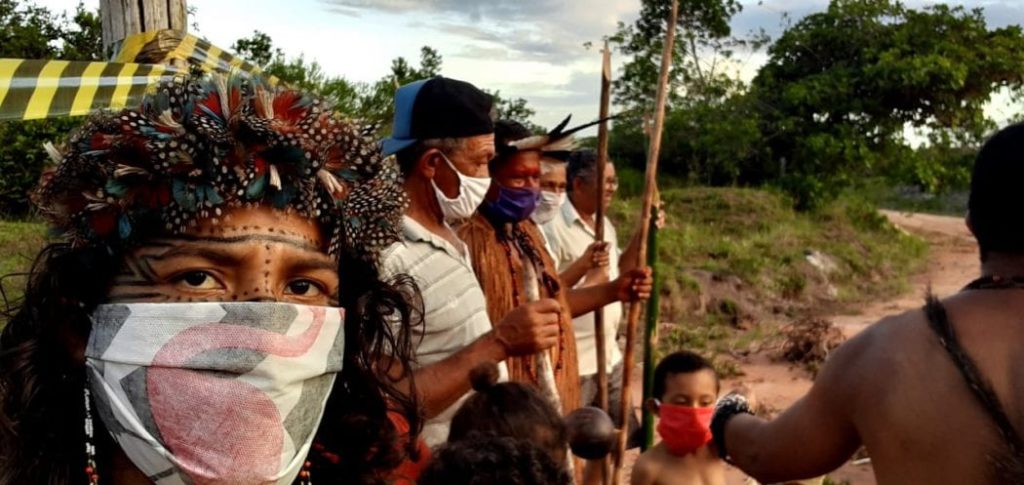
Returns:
(727,408)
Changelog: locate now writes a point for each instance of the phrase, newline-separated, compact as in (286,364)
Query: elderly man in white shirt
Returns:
(443,138)
(570,235)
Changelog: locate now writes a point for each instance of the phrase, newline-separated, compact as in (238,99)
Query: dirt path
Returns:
(952,263)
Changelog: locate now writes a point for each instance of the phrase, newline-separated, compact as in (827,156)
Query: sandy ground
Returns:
(953,262)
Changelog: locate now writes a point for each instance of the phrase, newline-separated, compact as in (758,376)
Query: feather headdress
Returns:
(198,145)
(556,143)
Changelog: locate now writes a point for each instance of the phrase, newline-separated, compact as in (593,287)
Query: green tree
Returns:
(708,129)
(377,101)
(370,102)
(258,49)
(28,31)
(515,109)
(703,49)
(840,87)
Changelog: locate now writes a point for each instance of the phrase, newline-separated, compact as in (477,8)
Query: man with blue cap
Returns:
(443,139)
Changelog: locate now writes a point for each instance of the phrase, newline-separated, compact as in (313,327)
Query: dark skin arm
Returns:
(449,378)
(630,287)
(526,330)
(815,435)
(629,258)
(595,257)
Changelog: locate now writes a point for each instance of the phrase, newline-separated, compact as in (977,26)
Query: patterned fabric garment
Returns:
(214,393)
(499,264)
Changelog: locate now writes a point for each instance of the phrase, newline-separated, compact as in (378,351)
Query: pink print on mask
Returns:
(212,424)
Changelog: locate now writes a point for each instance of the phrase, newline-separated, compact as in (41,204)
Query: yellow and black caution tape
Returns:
(35,89)
(176,48)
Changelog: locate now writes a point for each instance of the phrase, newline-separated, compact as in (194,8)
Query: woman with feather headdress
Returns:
(212,312)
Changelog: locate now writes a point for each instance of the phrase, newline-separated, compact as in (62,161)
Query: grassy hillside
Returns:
(733,262)
(737,264)
(19,243)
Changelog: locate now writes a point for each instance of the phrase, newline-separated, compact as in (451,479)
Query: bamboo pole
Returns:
(602,162)
(651,332)
(650,188)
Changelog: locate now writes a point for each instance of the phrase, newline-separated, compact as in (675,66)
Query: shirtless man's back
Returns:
(928,426)
(897,388)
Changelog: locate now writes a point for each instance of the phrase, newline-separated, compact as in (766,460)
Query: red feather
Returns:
(153,196)
(234,100)
(259,164)
(100,141)
(288,108)
(103,222)
(211,102)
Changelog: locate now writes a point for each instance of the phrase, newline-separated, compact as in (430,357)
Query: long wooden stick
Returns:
(602,162)
(651,333)
(650,187)
(545,372)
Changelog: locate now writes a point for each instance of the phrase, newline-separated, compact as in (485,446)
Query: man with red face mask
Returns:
(685,390)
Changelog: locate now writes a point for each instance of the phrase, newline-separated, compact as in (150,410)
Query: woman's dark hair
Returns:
(41,384)
(511,409)
(493,460)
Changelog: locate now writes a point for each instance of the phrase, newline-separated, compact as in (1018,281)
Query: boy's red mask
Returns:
(684,429)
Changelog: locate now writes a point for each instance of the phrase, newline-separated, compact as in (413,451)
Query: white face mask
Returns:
(550,203)
(215,393)
(471,193)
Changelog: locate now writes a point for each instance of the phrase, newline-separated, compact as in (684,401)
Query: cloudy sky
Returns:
(525,48)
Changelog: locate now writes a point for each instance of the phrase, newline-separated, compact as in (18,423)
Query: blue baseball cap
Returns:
(438,108)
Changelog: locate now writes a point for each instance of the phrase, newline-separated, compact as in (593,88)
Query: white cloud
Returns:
(524,48)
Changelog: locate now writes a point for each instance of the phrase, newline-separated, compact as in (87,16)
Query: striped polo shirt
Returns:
(455,311)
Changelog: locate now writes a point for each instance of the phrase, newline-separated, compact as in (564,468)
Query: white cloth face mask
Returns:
(214,393)
(471,194)
(550,203)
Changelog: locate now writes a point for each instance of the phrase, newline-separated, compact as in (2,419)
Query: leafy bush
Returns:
(31,32)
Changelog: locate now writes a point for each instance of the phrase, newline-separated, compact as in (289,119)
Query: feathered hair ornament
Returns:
(199,145)
(557,143)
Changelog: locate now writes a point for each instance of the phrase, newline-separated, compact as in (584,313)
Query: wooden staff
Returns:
(545,372)
(651,331)
(650,188)
(602,162)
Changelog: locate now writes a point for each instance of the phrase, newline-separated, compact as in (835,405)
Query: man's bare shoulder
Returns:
(876,354)
(894,331)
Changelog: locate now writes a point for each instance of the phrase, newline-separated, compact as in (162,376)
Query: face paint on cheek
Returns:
(137,280)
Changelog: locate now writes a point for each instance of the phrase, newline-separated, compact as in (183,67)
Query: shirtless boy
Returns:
(685,390)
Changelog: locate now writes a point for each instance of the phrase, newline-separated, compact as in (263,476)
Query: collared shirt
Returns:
(454,313)
(569,237)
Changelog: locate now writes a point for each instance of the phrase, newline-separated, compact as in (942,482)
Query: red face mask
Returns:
(684,429)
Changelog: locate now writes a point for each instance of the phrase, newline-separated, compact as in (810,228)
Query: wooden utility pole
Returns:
(121,18)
